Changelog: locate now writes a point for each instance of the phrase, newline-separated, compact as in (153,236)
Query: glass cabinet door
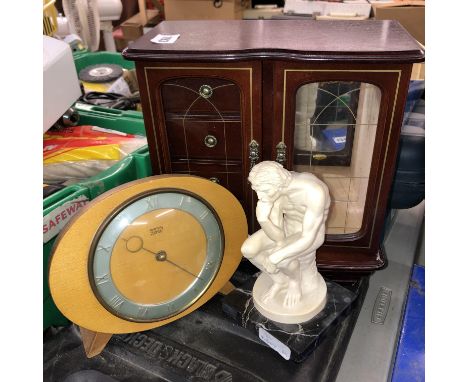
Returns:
(335,128)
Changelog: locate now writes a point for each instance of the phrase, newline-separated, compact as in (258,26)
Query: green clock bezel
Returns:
(188,301)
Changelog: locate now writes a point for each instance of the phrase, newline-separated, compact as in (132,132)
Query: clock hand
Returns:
(162,256)
(135,244)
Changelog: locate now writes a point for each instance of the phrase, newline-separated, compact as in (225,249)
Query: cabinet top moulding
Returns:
(367,41)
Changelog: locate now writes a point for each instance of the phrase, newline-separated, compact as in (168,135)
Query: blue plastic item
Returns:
(415,92)
(335,138)
(410,358)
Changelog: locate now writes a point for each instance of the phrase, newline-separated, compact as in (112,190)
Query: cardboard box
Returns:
(418,72)
(261,13)
(204,9)
(132,28)
(331,10)
(410,14)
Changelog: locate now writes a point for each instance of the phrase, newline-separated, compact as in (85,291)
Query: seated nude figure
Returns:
(292,210)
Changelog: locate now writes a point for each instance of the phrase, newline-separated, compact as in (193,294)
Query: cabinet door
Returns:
(204,120)
(342,123)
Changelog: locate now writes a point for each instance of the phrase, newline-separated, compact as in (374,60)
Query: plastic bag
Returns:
(74,154)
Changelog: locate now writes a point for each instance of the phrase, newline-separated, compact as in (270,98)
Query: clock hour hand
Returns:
(133,243)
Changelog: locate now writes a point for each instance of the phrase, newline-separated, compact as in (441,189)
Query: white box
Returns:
(307,7)
(61,87)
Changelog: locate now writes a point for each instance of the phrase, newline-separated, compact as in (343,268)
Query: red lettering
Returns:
(57,218)
(82,203)
(51,224)
(44,229)
(71,209)
(63,215)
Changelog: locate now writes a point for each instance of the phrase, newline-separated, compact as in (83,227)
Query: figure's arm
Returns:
(313,219)
(266,214)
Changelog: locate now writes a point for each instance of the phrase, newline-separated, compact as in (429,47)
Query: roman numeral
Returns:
(142,311)
(204,214)
(181,201)
(118,218)
(101,279)
(116,302)
(151,202)
(105,249)
(170,307)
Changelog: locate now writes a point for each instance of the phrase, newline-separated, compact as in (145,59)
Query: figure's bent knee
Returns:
(293,265)
(248,249)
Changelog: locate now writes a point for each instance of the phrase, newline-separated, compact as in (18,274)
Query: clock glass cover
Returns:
(156,255)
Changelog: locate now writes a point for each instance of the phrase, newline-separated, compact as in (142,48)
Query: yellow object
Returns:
(69,272)
(134,276)
(97,87)
(49,20)
(104,152)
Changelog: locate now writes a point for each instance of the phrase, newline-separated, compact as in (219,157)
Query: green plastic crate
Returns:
(51,206)
(120,173)
(134,166)
(126,121)
(142,162)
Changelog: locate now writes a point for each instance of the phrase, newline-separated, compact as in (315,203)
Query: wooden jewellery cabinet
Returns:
(321,96)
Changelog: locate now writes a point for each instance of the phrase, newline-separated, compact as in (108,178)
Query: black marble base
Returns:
(291,341)
(204,346)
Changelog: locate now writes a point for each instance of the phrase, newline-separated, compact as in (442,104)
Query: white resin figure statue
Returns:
(292,210)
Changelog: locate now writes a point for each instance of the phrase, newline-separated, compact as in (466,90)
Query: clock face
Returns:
(156,255)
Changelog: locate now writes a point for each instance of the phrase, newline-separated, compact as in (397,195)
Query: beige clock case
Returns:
(68,272)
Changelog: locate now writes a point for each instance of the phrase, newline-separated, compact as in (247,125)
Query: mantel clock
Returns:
(145,254)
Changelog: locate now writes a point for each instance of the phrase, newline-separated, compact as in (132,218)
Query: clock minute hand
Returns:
(162,256)
(178,266)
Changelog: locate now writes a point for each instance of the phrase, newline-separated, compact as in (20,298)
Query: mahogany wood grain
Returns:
(229,173)
(257,56)
(179,96)
(304,40)
(228,135)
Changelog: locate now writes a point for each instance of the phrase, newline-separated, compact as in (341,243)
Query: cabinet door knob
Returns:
(210,141)
(214,179)
(206,91)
